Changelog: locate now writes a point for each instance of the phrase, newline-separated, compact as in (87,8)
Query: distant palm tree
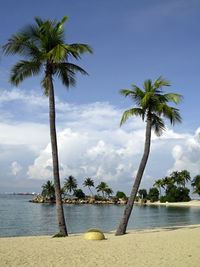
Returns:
(142,193)
(70,184)
(185,176)
(89,183)
(167,181)
(48,190)
(102,187)
(43,46)
(196,184)
(159,184)
(151,105)
(108,191)
(181,178)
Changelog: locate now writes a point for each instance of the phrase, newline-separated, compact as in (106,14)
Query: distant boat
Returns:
(24,194)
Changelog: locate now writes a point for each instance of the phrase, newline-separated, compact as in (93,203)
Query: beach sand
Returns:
(176,246)
(192,203)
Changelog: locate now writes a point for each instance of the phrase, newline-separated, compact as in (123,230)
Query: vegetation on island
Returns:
(196,185)
(70,190)
(152,106)
(43,47)
(174,187)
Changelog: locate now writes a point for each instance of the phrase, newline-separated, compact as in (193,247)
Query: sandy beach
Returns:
(176,246)
(192,203)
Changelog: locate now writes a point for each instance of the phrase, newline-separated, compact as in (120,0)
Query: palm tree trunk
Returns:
(90,190)
(59,205)
(129,206)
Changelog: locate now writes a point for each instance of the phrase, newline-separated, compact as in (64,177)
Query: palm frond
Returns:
(24,69)
(76,50)
(66,72)
(170,113)
(176,98)
(60,24)
(58,53)
(148,85)
(82,48)
(157,124)
(145,101)
(45,84)
(160,82)
(136,94)
(132,112)
(19,45)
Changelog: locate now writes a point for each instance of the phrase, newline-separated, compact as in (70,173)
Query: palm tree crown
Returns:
(89,183)
(43,46)
(48,190)
(152,104)
(70,183)
(102,187)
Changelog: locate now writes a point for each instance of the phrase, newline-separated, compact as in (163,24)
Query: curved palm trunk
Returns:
(129,206)
(59,205)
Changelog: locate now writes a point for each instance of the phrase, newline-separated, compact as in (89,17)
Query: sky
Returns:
(132,41)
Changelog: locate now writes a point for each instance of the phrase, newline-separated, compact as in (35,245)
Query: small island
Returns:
(175,192)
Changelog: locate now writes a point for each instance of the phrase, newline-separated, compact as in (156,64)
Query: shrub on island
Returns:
(153,194)
(79,194)
(120,194)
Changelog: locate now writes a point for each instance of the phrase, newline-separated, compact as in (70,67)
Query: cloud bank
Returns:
(90,143)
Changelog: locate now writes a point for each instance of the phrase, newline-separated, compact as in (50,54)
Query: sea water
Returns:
(19,217)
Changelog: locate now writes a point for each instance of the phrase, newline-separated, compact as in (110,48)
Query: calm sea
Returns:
(19,217)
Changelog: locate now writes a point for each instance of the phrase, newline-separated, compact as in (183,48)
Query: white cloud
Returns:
(91,143)
(187,155)
(15,167)
(33,135)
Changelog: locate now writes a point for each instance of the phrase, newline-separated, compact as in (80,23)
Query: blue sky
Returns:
(132,41)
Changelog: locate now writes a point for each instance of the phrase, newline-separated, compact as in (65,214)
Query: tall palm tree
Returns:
(44,49)
(151,106)
(70,184)
(102,187)
(89,183)
(48,190)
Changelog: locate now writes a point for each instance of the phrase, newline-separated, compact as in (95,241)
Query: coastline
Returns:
(191,203)
(169,246)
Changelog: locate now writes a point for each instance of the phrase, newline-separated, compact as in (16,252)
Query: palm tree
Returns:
(102,187)
(196,184)
(181,178)
(89,183)
(108,191)
(151,106)
(48,190)
(70,184)
(142,193)
(185,176)
(158,184)
(44,49)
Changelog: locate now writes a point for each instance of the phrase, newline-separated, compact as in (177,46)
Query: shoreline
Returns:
(166,246)
(191,203)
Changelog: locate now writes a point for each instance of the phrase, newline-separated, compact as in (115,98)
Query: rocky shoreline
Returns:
(116,201)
